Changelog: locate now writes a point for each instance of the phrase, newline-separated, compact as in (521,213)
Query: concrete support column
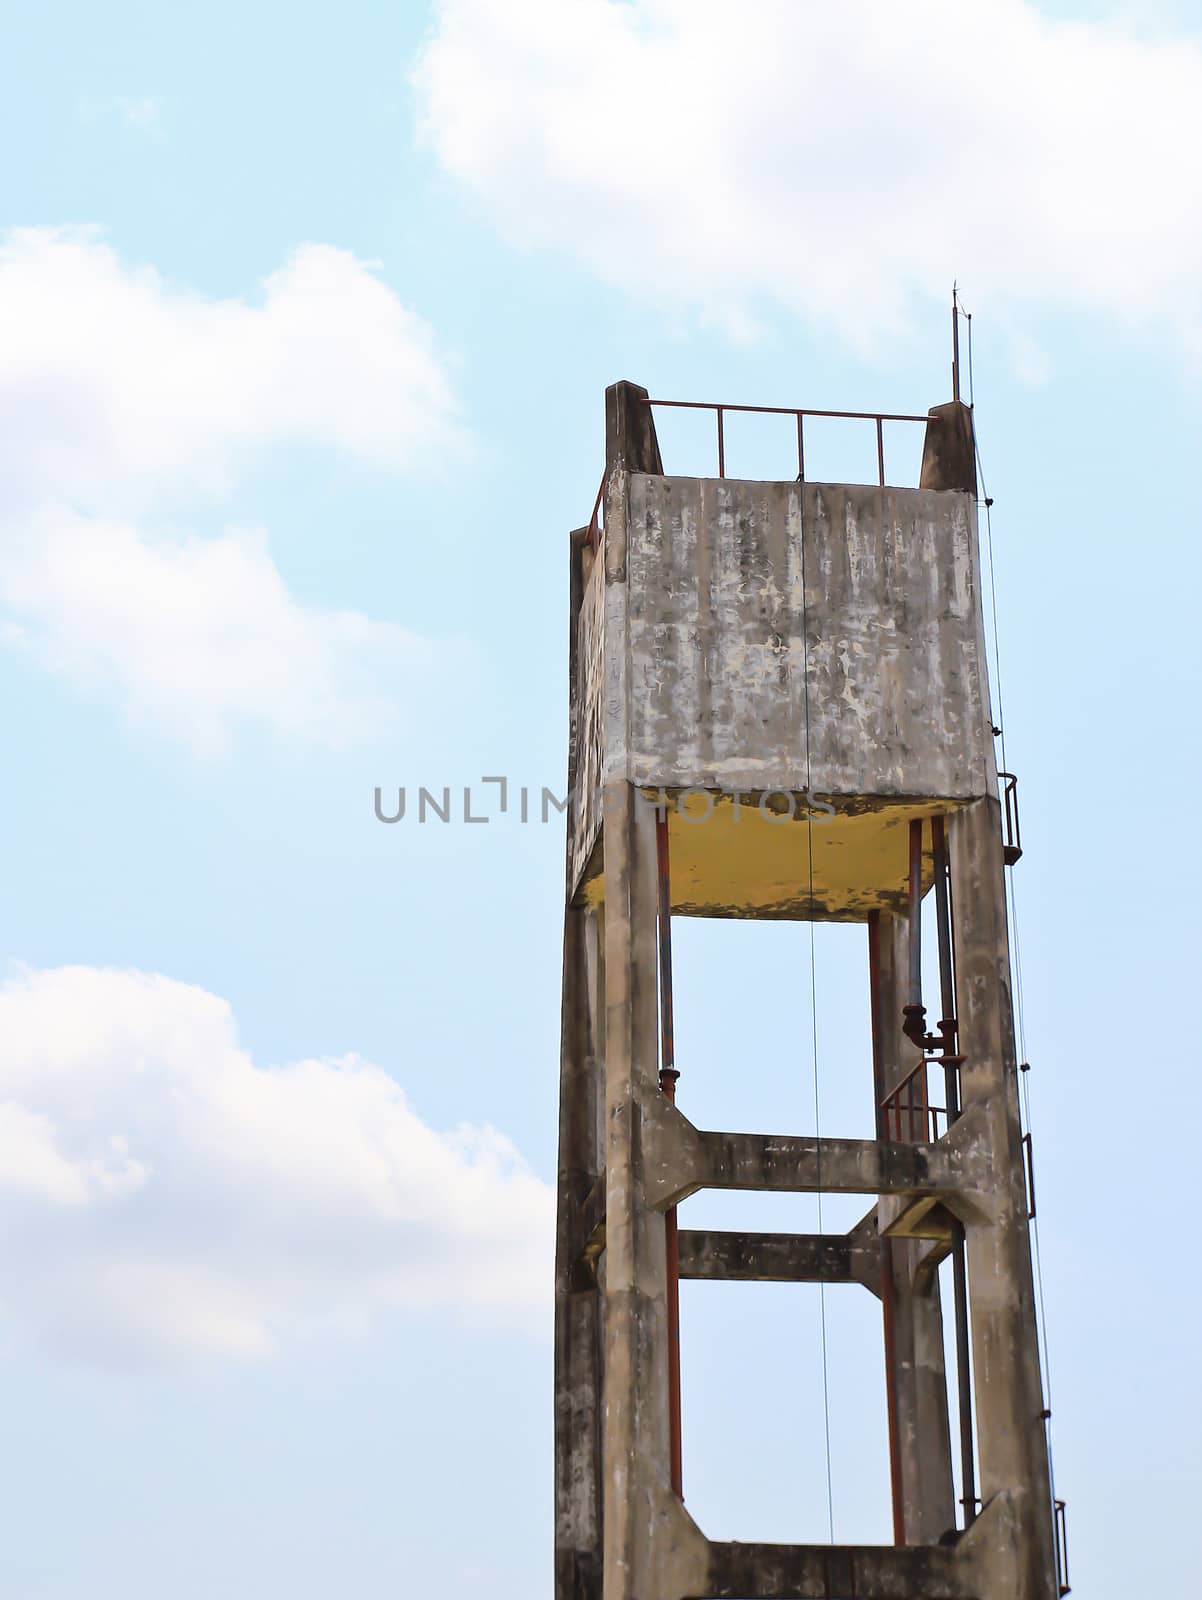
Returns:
(635,1445)
(1011,1442)
(630,440)
(577,1300)
(918,1372)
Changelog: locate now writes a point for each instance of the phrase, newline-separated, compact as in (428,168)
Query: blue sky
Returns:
(305,320)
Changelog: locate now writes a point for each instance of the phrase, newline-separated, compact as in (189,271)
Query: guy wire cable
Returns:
(1024,1072)
(805,678)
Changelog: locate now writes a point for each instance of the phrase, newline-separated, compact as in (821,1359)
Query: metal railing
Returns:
(1062,1548)
(1029,1164)
(1012,840)
(907,1115)
(800,413)
(594,521)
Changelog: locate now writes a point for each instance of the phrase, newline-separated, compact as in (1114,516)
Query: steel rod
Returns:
(667,1082)
(960,1274)
(789,411)
(955,345)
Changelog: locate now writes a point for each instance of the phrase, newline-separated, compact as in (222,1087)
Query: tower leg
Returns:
(917,1368)
(636,1454)
(1011,1441)
(577,1298)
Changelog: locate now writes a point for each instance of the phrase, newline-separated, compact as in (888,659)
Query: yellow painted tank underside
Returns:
(776,857)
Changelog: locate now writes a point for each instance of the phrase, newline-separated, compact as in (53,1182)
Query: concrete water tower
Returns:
(780,709)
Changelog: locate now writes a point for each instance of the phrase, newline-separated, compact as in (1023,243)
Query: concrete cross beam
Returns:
(977,1564)
(680,1159)
(781,1257)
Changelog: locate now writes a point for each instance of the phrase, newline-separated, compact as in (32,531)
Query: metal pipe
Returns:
(947,992)
(721,446)
(914,1012)
(875,1000)
(667,1082)
(667,1032)
(968,1475)
(915,910)
(880,451)
(801,448)
(951,1073)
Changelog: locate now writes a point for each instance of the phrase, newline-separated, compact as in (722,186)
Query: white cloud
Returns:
(142,113)
(139,111)
(118,393)
(166,1199)
(114,384)
(33,1165)
(843,161)
(195,636)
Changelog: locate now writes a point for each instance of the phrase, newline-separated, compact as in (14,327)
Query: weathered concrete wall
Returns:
(588,692)
(731,586)
(722,619)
